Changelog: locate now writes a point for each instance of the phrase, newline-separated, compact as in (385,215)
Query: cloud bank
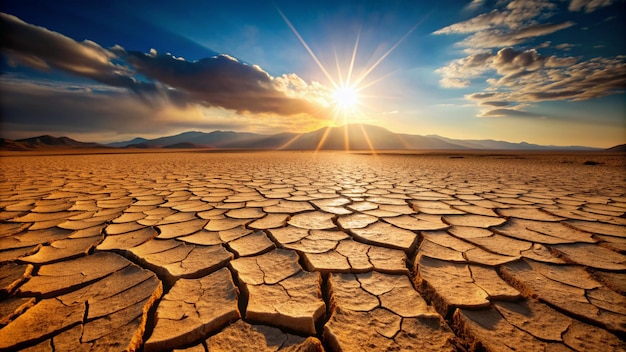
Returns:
(161,80)
(517,78)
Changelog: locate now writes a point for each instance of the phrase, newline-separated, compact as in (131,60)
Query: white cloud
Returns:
(527,77)
(517,77)
(497,38)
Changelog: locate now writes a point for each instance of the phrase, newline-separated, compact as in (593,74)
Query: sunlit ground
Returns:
(448,249)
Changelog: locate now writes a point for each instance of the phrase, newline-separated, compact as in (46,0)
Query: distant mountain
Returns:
(45,142)
(618,148)
(363,137)
(125,143)
(502,145)
(183,145)
(352,137)
(216,139)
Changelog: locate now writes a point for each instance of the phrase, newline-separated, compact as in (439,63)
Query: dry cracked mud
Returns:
(299,251)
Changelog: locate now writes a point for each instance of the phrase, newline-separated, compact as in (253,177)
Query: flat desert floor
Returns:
(302,251)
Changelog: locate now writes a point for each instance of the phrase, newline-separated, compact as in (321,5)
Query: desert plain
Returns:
(304,251)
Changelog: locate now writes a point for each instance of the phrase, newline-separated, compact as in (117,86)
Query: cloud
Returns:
(509,113)
(99,112)
(495,103)
(516,14)
(83,108)
(508,62)
(588,5)
(565,46)
(479,96)
(584,80)
(474,5)
(526,77)
(498,38)
(457,74)
(220,81)
(43,49)
(508,26)
(518,78)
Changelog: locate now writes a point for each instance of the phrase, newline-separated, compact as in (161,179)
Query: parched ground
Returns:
(298,251)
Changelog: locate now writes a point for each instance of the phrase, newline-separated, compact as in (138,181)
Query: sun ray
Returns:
(356,45)
(306,46)
(404,142)
(364,86)
(339,75)
(323,139)
(345,96)
(367,140)
(384,56)
(291,141)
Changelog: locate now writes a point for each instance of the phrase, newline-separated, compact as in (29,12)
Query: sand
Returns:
(329,251)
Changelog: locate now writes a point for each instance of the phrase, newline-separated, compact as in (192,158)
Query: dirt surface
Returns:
(303,251)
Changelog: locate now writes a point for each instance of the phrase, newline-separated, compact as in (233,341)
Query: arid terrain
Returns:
(303,251)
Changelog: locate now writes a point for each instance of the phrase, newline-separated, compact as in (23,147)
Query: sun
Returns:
(346,97)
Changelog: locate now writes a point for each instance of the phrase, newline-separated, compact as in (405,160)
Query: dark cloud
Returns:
(510,113)
(479,96)
(588,5)
(43,49)
(81,109)
(73,109)
(495,103)
(560,95)
(220,81)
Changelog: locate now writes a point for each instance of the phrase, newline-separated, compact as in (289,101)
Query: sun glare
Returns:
(346,97)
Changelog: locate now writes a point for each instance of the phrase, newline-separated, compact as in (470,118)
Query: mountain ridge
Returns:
(351,137)
(45,142)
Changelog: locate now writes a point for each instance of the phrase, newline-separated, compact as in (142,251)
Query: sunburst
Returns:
(346,98)
(345,93)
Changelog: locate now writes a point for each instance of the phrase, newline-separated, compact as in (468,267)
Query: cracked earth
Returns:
(296,251)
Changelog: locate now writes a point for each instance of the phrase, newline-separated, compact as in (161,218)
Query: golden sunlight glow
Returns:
(348,107)
(346,98)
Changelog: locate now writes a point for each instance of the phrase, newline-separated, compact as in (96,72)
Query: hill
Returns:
(45,142)
(618,148)
(126,143)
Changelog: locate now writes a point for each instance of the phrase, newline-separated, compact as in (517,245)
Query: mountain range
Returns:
(352,137)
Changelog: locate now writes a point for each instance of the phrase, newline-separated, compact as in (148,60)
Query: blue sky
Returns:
(546,72)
